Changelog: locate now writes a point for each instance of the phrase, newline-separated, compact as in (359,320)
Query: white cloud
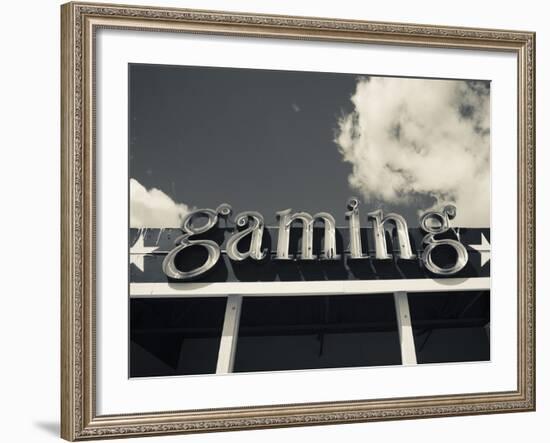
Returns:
(153,208)
(412,137)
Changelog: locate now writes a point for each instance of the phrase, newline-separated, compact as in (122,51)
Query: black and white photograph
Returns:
(240,222)
(280,216)
(297,220)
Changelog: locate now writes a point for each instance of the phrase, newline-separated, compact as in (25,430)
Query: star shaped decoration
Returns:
(484,249)
(138,252)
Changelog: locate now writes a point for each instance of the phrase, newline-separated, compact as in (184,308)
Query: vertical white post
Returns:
(230,333)
(404,325)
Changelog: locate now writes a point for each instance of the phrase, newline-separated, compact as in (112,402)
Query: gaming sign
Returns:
(371,253)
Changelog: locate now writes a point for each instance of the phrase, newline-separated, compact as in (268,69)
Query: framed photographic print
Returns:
(283,221)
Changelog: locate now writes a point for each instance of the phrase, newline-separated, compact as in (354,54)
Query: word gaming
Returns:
(251,223)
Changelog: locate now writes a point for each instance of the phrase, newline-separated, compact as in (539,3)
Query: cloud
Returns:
(153,208)
(295,107)
(411,140)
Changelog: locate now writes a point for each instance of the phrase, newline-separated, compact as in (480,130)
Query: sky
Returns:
(265,141)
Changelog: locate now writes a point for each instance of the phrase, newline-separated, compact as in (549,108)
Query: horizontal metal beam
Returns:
(270,289)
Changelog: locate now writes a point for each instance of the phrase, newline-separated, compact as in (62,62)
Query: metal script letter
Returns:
(256,229)
(380,245)
(440,226)
(329,238)
(355,244)
(285,222)
(183,242)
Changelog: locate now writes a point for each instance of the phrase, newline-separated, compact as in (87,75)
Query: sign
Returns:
(212,246)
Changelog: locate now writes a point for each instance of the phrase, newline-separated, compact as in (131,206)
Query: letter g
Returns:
(183,242)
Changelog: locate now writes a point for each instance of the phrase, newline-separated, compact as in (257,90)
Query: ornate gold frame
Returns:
(79,23)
